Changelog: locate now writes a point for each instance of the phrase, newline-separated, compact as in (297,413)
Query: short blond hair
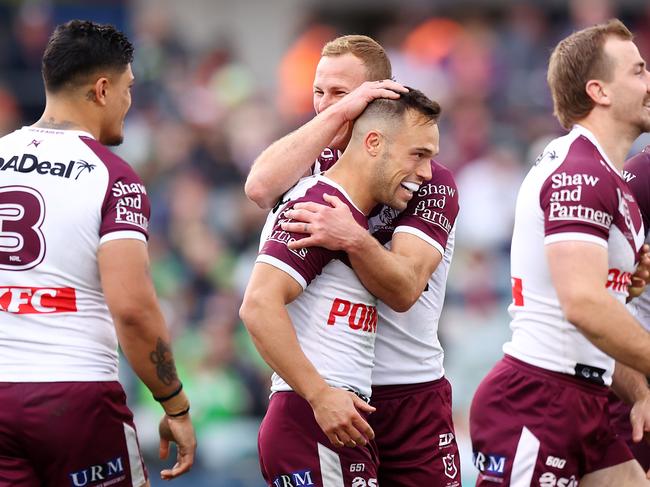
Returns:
(576,60)
(369,51)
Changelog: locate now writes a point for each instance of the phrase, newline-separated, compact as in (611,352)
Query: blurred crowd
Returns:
(199,119)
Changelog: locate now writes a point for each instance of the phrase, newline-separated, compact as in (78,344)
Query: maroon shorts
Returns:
(78,434)
(294,451)
(531,426)
(415,435)
(619,413)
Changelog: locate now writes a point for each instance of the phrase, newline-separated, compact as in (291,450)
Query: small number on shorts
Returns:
(358,467)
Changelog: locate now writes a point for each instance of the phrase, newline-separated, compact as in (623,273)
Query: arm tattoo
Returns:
(165,367)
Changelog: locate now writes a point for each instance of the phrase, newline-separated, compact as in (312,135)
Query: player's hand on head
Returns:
(355,102)
(337,413)
(641,276)
(330,226)
(180,431)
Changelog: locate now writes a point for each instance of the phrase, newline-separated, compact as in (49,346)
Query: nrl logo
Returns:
(450,467)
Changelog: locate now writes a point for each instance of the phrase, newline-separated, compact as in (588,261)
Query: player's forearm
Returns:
(285,161)
(145,342)
(610,327)
(389,276)
(629,384)
(275,339)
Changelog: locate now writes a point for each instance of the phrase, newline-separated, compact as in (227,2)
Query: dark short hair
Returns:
(414,100)
(81,48)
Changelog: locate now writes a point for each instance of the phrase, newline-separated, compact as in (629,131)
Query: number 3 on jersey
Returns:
(22,244)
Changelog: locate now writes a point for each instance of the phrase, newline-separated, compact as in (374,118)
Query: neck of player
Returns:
(616,140)
(353,176)
(64,113)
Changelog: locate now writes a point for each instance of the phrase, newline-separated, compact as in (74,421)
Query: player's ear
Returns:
(373,142)
(99,90)
(598,92)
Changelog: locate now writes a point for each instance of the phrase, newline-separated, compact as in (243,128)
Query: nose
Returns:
(324,102)
(424,170)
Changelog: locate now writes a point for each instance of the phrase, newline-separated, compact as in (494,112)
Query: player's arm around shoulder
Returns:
(144,339)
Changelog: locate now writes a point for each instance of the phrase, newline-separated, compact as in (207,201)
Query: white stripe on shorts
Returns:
(137,472)
(330,467)
(525,460)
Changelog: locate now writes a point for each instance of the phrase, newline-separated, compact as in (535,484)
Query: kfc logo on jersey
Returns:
(360,316)
(37,300)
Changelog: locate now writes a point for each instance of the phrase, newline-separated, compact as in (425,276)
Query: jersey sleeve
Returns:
(637,175)
(579,199)
(432,212)
(126,209)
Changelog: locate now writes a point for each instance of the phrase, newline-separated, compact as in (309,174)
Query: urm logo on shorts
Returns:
(295,479)
(105,473)
(490,464)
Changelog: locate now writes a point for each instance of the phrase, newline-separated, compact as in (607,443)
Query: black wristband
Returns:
(178,415)
(173,394)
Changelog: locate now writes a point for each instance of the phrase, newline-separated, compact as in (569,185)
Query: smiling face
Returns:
(405,161)
(336,76)
(118,102)
(629,88)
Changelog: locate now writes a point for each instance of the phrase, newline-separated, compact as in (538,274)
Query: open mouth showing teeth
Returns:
(410,187)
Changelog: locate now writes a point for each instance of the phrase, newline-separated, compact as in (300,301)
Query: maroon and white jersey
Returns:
(637,174)
(573,193)
(335,317)
(325,160)
(62,195)
(407,350)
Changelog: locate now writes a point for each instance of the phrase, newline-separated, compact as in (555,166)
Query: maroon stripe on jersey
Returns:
(126,204)
(433,209)
(308,262)
(637,175)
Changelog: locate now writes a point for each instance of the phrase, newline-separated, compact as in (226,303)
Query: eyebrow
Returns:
(426,150)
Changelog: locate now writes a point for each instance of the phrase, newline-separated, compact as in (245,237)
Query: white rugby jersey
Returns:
(62,194)
(572,193)
(335,317)
(407,349)
(637,175)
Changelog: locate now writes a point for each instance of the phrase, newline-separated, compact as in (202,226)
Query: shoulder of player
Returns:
(638,166)
(112,161)
(582,164)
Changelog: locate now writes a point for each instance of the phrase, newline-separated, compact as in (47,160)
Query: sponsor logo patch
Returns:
(295,479)
(101,475)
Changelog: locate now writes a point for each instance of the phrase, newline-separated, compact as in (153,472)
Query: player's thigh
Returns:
(629,474)
(83,434)
(294,451)
(17,472)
